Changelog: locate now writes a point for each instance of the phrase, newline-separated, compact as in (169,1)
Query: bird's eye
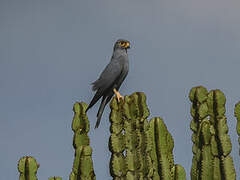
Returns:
(122,43)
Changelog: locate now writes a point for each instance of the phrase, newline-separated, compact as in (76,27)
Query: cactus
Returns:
(128,137)
(140,149)
(82,165)
(211,143)
(237,115)
(161,152)
(28,166)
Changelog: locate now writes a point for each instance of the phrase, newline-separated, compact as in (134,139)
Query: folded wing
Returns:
(106,81)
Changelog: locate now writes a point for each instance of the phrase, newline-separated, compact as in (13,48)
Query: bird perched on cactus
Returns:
(111,78)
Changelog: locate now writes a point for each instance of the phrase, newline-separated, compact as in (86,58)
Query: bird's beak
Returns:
(127,45)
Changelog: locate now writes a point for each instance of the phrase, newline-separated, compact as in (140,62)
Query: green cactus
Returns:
(28,166)
(237,115)
(82,165)
(135,113)
(161,152)
(211,143)
(179,172)
(55,178)
(128,137)
(140,149)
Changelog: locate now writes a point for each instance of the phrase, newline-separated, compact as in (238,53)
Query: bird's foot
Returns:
(119,96)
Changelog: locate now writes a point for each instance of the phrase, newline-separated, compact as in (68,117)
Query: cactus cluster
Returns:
(211,143)
(140,149)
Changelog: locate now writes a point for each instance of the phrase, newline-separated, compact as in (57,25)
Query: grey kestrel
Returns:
(111,78)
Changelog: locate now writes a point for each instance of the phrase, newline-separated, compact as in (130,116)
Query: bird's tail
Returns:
(100,110)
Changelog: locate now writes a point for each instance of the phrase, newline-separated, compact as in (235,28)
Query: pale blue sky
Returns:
(50,52)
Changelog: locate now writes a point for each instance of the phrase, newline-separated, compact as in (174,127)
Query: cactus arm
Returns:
(162,146)
(179,172)
(216,104)
(199,112)
(117,141)
(212,145)
(127,140)
(82,165)
(28,166)
(135,112)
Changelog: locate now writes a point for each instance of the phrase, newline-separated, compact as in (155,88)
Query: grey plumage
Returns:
(112,77)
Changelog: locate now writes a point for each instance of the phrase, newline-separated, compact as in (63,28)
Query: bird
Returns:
(111,78)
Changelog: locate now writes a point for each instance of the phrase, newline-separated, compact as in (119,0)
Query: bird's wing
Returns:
(106,80)
(108,76)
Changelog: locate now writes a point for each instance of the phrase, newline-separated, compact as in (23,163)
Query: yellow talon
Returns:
(118,95)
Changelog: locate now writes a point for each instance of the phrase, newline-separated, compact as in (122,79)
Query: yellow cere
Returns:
(127,44)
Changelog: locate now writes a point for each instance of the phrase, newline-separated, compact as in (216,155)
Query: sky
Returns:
(52,50)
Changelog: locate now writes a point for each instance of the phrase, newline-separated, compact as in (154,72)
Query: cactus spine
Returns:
(28,166)
(211,143)
(82,165)
(140,149)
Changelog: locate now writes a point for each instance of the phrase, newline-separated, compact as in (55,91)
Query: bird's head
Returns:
(122,44)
